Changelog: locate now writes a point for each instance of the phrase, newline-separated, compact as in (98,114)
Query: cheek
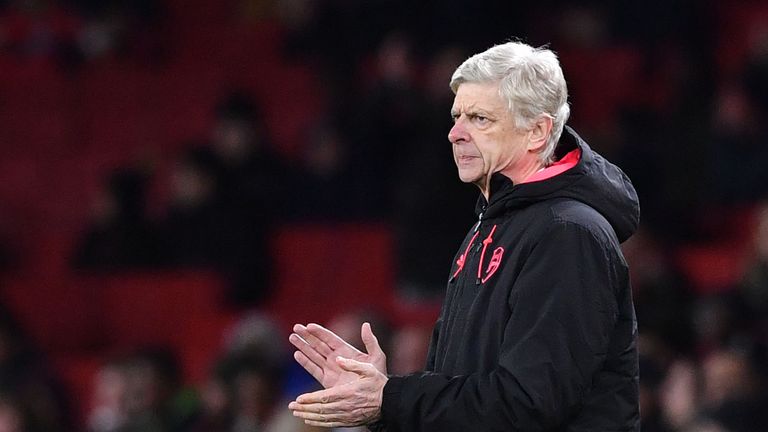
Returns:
(487,152)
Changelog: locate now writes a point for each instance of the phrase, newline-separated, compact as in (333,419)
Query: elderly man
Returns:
(537,331)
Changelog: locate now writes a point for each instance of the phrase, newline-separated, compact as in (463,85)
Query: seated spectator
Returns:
(386,123)
(739,155)
(324,189)
(251,175)
(191,232)
(251,190)
(119,236)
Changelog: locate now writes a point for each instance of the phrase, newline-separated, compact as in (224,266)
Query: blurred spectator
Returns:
(215,414)
(223,229)
(70,32)
(120,235)
(256,334)
(738,152)
(251,174)
(348,326)
(733,393)
(192,231)
(755,71)
(252,191)
(386,123)
(678,395)
(141,393)
(32,398)
(37,28)
(324,189)
(754,285)
(12,416)
(107,411)
(651,374)
(661,294)
(255,387)
(409,349)
(718,320)
(251,372)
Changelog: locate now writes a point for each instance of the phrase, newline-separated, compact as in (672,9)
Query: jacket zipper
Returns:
(463,257)
(488,240)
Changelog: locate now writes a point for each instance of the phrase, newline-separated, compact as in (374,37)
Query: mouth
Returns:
(465,159)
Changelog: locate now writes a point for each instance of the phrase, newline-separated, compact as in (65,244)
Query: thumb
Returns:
(360,368)
(369,339)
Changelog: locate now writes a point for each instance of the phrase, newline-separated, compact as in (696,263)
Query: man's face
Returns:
(484,137)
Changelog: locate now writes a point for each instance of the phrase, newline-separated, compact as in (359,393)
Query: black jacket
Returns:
(537,331)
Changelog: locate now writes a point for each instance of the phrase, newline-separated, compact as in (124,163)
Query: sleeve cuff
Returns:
(389,405)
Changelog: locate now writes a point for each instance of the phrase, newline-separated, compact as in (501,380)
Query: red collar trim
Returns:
(567,162)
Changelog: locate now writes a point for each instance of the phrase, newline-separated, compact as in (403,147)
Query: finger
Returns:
(327,424)
(313,341)
(330,338)
(329,409)
(313,369)
(370,340)
(307,349)
(325,418)
(360,368)
(320,396)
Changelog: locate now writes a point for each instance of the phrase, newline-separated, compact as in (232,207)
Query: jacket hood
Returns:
(593,181)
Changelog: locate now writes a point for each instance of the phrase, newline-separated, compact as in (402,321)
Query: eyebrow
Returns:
(474,111)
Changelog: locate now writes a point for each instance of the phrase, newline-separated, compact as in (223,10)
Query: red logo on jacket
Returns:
(494,264)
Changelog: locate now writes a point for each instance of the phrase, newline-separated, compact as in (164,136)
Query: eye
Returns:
(454,117)
(479,119)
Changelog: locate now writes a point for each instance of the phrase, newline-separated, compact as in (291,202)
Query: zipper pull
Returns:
(479,220)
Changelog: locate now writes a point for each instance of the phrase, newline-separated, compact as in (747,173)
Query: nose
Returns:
(458,132)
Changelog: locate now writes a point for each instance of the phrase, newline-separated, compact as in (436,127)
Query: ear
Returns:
(540,133)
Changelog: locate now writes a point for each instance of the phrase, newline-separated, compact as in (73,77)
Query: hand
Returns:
(355,403)
(319,347)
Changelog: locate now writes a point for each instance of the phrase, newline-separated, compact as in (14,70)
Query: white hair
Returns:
(530,80)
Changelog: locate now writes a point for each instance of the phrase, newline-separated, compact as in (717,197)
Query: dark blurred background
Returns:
(182,180)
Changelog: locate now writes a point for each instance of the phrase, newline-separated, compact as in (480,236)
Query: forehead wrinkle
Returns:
(494,105)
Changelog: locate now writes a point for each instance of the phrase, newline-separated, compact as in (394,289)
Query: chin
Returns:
(467,178)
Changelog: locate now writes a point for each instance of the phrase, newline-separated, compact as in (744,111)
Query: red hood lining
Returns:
(564,164)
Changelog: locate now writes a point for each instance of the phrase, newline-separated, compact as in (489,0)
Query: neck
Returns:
(517,174)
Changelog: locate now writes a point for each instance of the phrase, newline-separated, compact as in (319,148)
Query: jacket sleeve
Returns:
(430,366)
(563,309)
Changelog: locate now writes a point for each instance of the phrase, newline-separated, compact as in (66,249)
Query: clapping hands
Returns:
(353,380)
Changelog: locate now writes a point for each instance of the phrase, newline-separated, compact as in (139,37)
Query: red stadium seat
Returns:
(712,268)
(60,314)
(157,308)
(322,271)
(78,373)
